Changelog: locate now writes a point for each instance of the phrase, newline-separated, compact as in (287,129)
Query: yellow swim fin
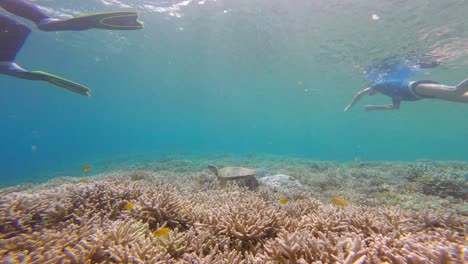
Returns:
(117,20)
(61,82)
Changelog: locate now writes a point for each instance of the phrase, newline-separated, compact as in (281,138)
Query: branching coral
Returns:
(304,247)
(107,200)
(286,248)
(162,208)
(175,243)
(235,220)
(127,231)
(49,245)
(20,213)
(87,223)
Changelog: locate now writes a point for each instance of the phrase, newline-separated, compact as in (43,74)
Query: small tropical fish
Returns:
(338,201)
(162,231)
(129,206)
(200,182)
(84,181)
(283,201)
(86,168)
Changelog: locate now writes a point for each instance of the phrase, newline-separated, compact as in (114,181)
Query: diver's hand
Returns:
(347,107)
(358,97)
(369,107)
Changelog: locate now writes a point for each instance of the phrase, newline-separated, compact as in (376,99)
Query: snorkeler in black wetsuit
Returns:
(13,35)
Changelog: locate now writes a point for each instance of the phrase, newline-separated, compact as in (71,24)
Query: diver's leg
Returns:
(25,9)
(28,10)
(445,92)
(12,37)
(462,87)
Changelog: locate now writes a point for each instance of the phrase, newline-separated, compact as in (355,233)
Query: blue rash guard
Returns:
(399,90)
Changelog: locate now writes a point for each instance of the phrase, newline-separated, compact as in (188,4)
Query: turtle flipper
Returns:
(213,169)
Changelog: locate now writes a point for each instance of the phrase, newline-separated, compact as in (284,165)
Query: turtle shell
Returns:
(233,173)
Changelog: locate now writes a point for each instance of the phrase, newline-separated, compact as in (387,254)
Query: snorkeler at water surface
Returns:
(400,90)
(13,35)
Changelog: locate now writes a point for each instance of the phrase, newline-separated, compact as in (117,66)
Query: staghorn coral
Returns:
(130,241)
(86,223)
(139,252)
(20,213)
(107,200)
(284,249)
(12,189)
(175,243)
(303,247)
(49,245)
(162,208)
(126,231)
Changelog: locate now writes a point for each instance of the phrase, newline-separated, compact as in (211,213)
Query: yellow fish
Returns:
(84,181)
(283,201)
(338,201)
(200,182)
(162,231)
(86,168)
(129,206)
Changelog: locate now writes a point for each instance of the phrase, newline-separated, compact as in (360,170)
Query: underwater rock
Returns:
(261,172)
(281,181)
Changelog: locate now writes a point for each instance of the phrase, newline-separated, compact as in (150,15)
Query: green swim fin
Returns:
(61,82)
(118,20)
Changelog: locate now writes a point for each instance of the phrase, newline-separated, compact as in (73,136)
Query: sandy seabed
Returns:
(396,213)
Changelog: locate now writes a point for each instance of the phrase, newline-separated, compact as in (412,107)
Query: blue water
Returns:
(233,77)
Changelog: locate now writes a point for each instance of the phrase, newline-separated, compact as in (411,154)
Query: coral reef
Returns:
(75,221)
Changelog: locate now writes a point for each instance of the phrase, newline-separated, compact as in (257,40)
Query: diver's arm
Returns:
(394,106)
(358,97)
(382,107)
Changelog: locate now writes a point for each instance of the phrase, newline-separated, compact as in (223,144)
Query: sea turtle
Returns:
(244,176)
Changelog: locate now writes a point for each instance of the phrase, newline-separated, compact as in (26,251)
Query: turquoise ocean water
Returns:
(237,77)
